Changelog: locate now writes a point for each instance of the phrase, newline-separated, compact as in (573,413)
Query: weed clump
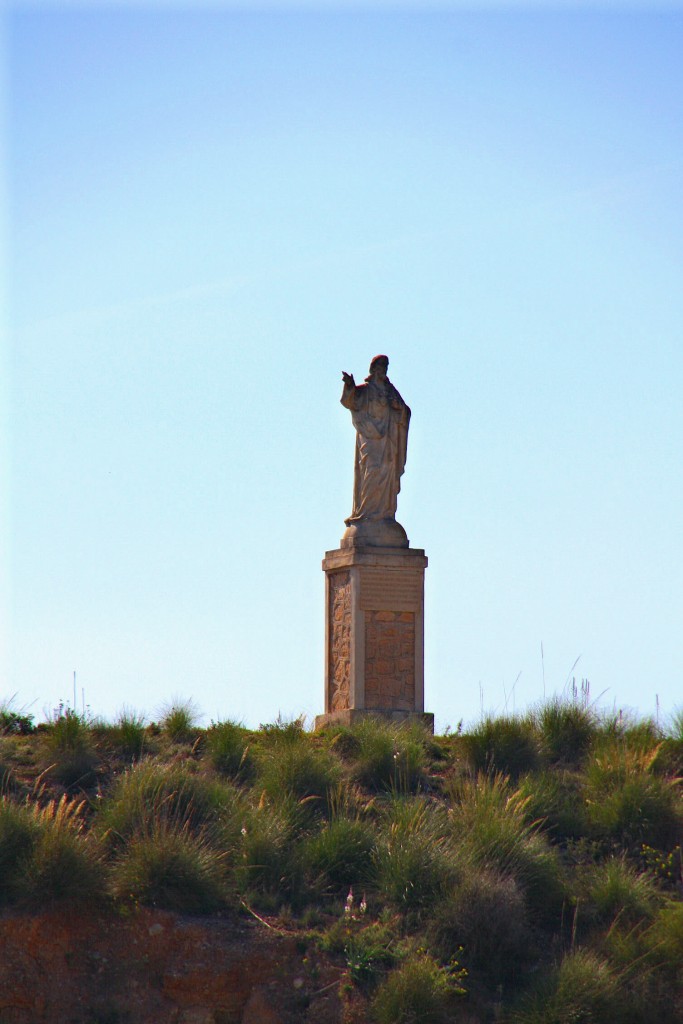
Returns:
(45,855)
(385,757)
(617,891)
(582,988)
(269,870)
(489,823)
(293,772)
(13,722)
(229,750)
(626,801)
(69,752)
(150,793)
(555,799)
(167,865)
(420,990)
(508,744)
(339,856)
(413,864)
(483,920)
(130,734)
(567,729)
(179,721)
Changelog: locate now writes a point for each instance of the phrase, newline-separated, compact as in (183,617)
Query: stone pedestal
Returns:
(374,636)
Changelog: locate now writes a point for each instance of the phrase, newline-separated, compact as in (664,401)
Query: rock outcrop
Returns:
(154,967)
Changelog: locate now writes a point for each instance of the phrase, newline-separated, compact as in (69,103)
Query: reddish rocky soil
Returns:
(155,967)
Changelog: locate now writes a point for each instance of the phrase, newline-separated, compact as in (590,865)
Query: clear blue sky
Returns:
(213,212)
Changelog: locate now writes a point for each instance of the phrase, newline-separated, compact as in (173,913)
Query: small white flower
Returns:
(348,906)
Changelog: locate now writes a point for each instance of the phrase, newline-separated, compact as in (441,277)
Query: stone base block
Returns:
(376,533)
(353,715)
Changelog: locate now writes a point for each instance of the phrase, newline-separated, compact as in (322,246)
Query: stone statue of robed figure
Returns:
(381,419)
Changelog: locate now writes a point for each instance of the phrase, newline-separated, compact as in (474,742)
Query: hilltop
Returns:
(526,871)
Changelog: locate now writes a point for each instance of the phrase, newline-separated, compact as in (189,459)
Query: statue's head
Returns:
(380,363)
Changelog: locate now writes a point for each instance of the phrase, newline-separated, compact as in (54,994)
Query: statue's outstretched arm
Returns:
(348,398)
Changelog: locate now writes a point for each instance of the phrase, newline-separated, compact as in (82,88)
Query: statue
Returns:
(381,419)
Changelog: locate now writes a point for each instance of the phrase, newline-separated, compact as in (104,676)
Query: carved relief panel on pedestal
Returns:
(340,641)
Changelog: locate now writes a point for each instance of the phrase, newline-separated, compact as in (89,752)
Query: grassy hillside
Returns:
(528,871)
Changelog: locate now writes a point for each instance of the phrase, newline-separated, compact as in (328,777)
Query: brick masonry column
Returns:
(374,634)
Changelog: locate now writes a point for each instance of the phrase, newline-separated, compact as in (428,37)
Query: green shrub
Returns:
(374,759)
(342,739)
(648,961)
(268,864)
(627,803)
(127,737)
(369,952)
(484,914)
(45,856)
(130,734)
(291,769)
(649,975)
(638,736)
(8,780)
(13,722)
(489,824)
(616,890)
(148,793)
(643,734)
(582,990)
(418,992)
(68,729)
(283,730)
(555,799)
(179,721)
(664,940)
(674,728)
(413,865)
(669,759)
(339,855)
(167,865)
(75,769)
(667,868)
(567,729)
(507,744)
(18,828)
(388,757)
(410,760)
(228,748)
(370,948)
(70,755)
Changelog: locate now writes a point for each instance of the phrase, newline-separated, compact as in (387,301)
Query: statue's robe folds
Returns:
(381,419)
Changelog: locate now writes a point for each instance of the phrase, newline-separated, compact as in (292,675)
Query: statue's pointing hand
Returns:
(348,379)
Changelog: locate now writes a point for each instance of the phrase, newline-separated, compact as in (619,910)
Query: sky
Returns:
(210,211)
